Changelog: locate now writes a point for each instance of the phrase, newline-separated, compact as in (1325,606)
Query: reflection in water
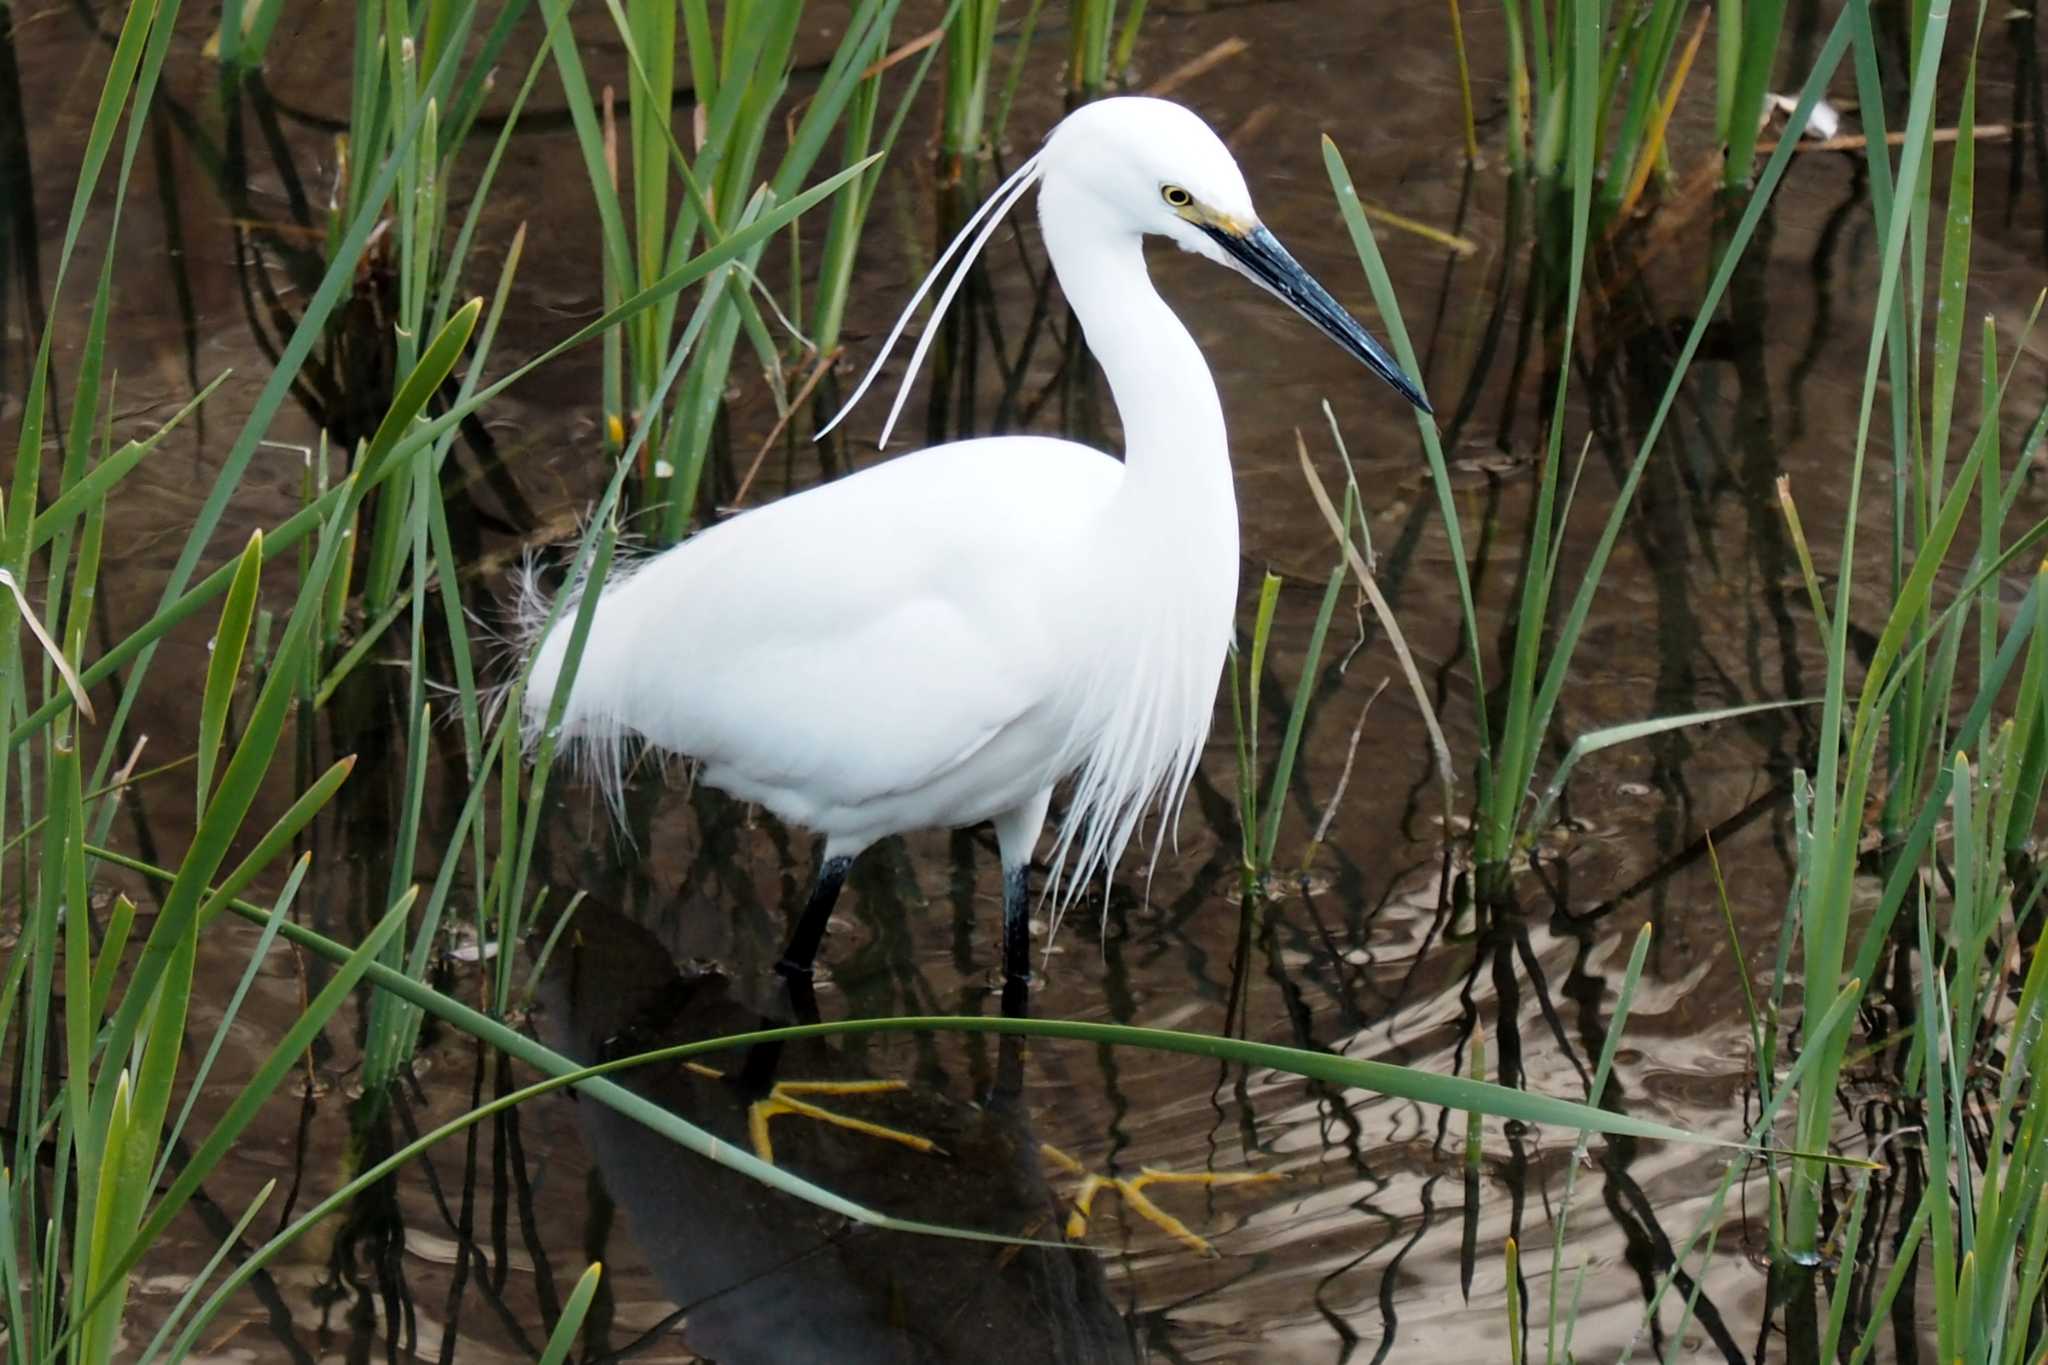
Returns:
(21,273)
(1364,1253)
(762,1277)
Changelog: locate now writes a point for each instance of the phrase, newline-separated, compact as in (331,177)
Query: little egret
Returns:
(942,638)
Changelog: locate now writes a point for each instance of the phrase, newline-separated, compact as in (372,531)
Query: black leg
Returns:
(757,1074)
(810,928)
(1017,940)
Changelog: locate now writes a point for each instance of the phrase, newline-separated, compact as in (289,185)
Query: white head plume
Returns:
(994,209)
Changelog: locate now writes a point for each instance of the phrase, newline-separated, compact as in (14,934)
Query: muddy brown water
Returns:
(1375,1243)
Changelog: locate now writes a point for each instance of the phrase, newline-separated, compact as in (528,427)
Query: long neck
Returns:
(1175,452)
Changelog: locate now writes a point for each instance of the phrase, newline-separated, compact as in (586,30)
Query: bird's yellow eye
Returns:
(1176,196)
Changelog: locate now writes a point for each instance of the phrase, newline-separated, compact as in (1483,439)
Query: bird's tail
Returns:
(590,732)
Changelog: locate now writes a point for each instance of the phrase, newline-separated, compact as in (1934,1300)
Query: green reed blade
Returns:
(277,840)
(1593,741)
(1851,1239)
(92,397)
(1304,690)
(842,79)
(1862,756)
(1247,787)
(443,545)
(401,502)
(1742,99)
(224,663)
(98,1319)
(23,1340)
(1658,43)
(1475,1122)
(1624,1000)
(2030,706)
(1951,306)
(1939,1137)
(1991,510)
(395,1032)
(1126,41)
(1262,635)
(113,940)
(367,637)
(970,31)
(563,1339)
(63,856)
(83,590)
(756,73)
(422,383)
(1383,1078)
(1893,225)
(849,213)
(1020,45)
(389,1030)
(155,1080)
(652,25)
(547,947)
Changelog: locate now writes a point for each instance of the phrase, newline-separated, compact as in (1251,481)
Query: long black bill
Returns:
(1260,255)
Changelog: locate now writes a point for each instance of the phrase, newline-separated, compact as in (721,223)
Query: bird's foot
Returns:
(787,1098)
(1132,1191)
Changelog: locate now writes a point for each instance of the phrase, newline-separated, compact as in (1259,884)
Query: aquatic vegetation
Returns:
(1915,788)
(1101,43)
(1512,736)
(1628,87)
(348,787)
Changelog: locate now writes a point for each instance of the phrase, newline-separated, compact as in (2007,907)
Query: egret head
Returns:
(1156,169)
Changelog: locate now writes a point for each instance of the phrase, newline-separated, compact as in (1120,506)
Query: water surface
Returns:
(1379,1241)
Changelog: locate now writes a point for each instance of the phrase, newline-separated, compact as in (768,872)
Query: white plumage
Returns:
(940,639)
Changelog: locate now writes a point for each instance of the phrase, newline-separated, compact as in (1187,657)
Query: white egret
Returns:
(940,639)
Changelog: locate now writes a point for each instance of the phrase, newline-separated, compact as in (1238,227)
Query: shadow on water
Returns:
(21,274)
(762,1277)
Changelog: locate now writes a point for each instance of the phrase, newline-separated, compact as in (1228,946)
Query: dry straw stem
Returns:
(1450,241)
(1197,66)
(49,646)
(1322,833)
(1856,142)
(908,50)
(818,371)
(1464,85)
(1439,747)
(1653,143)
